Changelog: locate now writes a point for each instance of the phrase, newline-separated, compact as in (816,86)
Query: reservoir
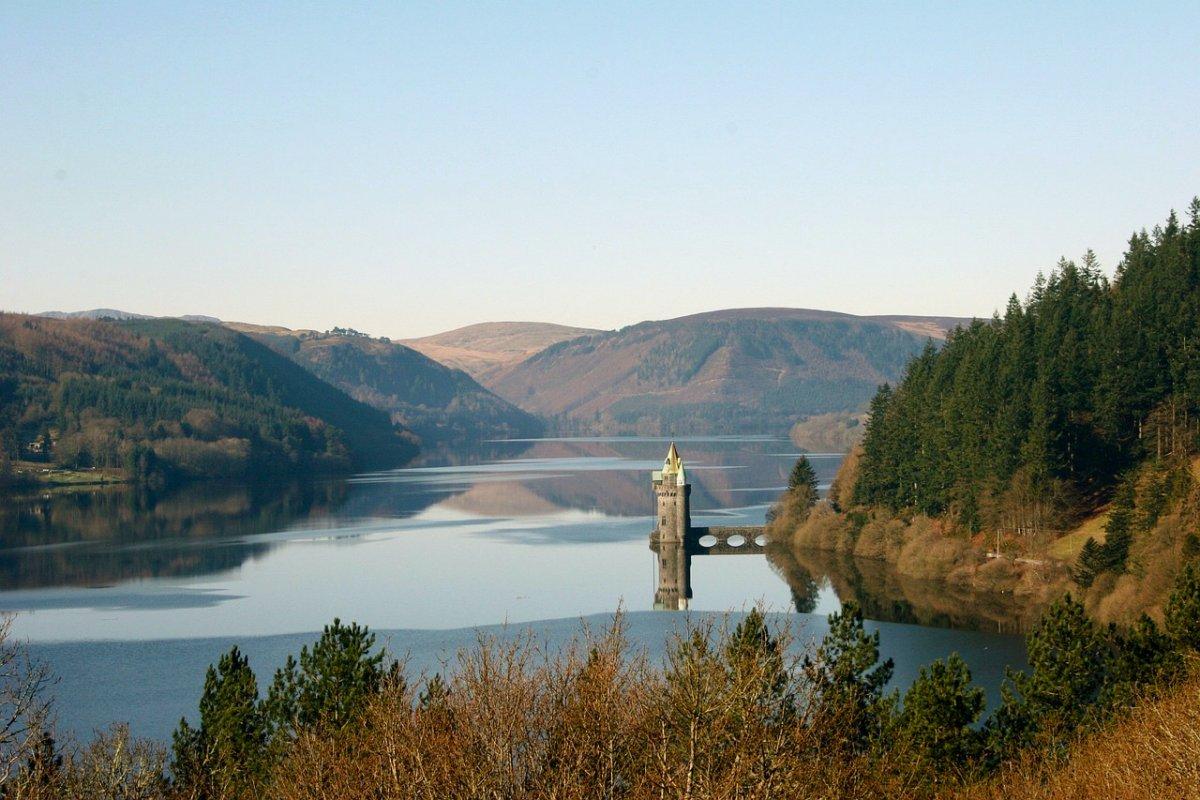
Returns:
(127,597)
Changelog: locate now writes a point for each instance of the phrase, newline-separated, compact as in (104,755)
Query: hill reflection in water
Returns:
(408,547)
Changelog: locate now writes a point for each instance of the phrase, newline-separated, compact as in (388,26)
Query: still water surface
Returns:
(129,597)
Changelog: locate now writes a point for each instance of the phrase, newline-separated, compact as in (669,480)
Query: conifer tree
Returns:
(1089,564)
(1026,420)
(753,655)
(847,679)
(802,482)
(330,684)
(225,755)
(1119,529)
(1143,655)
(879,459)
(940,709)
(1069,664)
(1183,609)
(434,693)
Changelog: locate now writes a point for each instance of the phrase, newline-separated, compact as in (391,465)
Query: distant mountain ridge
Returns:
(725,371)
(436,401)
(117,314)
(737,370)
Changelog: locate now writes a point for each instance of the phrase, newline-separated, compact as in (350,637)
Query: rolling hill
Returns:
(177,399)
(436,401)
(489,348)
(117,314)
(740,370)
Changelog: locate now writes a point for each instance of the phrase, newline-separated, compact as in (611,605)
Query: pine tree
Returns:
(1024,420)
(847,679)
(1069,664)
(226,754)
(1119,529)
(802,482)
(755,657)
(1089,564)
(1143,656)
(434,694)
(1183,609)
(331,683)
(878,470)
(940,709)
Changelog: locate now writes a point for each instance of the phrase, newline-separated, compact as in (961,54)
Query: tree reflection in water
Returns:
(113,534)
(886,595)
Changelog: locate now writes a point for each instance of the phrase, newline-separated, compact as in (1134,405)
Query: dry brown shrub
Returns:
(512,723)
(1152,754)
(24,708)
(598,726)
(115,766)
(881,537)
(721,723)
(822,529)
(929,554)
(720,720)
(841,490)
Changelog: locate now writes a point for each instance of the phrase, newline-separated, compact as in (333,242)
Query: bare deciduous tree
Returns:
(24,703)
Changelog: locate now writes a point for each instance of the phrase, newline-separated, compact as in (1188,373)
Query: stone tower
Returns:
(672,491)
(669,539)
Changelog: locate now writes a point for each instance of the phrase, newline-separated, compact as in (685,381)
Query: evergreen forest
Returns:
(1032,419)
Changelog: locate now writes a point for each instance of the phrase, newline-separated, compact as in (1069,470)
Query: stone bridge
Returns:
(726,540)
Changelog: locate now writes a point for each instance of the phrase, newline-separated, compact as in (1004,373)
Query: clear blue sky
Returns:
(408,168)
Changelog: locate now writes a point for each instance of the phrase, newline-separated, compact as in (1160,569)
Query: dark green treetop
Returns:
(330,684)
(940,711)
(847,679)
(1183,609)
(226,754)
(1069,660)
(802,481)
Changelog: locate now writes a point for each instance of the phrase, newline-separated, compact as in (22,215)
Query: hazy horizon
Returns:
(498,321)
(409,170)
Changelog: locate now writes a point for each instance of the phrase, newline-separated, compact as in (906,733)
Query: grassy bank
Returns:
(35,474)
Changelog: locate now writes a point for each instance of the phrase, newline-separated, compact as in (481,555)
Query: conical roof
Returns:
(673,461)
(673,465)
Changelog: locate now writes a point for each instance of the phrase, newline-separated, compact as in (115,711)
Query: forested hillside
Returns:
(435,401)
(167,399)
(753,370)
(1037,413)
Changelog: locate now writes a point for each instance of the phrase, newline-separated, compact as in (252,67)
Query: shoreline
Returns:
(921,550)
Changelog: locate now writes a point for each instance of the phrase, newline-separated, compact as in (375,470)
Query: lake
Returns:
(129,596)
